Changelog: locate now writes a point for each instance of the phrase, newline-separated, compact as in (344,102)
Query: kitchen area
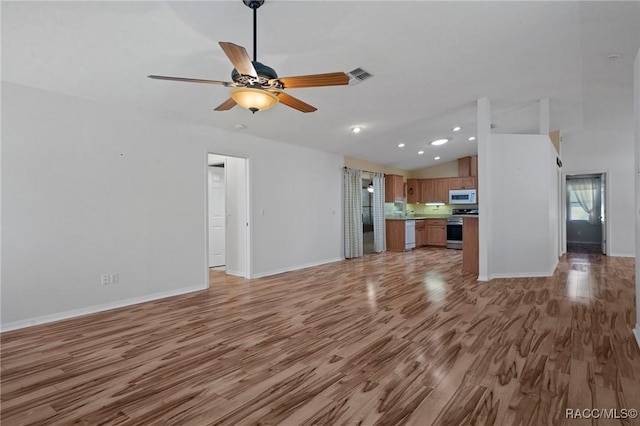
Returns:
(437,212)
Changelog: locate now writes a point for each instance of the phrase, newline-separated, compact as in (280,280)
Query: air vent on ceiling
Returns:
(358,75)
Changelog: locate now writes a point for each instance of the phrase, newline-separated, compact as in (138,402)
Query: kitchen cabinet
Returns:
(393,188)
(413,191)
(464,166)
(421,233)
(442,190)
(436,232)
(434,190)
(400,234)
(468,182)
(470,251)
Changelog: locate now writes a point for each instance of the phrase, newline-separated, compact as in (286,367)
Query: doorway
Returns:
(586,200)
(368,245)
(227,218)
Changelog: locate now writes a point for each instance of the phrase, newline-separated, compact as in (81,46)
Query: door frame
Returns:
(607,205)
(247,207)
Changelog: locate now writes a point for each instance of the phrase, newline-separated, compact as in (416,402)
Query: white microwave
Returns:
(462,196)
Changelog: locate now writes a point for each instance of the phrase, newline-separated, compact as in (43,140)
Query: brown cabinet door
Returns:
(442,190)
(393,188)
(464,166)
(455,183)
(428,190)
(421,233)
(413,191)
(468,182)
(437,235)
(395,234)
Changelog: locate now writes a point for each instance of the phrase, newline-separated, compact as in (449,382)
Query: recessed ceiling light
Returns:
(439,141)
(420,152)
(472,138)
(456,129)
(240,126)
(356,129)
(436,158)
(614,55)
(400,145)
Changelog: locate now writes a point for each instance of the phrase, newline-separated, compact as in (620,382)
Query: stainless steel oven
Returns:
(454,233)
(454,227)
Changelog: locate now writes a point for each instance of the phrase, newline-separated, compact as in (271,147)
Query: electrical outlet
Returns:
(105,279)
(115,278)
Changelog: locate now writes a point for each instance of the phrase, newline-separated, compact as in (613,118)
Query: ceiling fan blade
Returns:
(315,80)
(226,105)
(295,103)
(239,58)
(191,80)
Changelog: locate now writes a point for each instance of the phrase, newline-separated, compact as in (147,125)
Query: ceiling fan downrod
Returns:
(254,4)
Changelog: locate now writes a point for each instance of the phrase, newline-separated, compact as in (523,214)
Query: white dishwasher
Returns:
(409,234)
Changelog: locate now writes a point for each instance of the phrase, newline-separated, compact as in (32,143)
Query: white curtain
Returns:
(587,192)
(379,233)
(352,213)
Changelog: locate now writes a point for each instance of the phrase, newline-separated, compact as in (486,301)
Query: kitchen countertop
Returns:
(433,216)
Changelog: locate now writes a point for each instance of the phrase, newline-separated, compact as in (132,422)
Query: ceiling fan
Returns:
(256,86)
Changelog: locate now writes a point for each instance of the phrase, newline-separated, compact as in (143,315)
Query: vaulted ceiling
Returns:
(430,61)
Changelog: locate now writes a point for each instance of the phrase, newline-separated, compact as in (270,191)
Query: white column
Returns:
(636,96)
(545,113)
(483,135)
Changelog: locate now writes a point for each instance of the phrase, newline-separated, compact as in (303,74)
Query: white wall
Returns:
(236,236)
(523,204)
(88,189)
(605,142)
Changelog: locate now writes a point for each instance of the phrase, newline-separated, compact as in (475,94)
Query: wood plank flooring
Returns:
(389,339)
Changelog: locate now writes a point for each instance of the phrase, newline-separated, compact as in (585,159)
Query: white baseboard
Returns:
(483,278)
(96,308)
(296,267)
(522,275)
(621,255)
(636,332)
(235,273)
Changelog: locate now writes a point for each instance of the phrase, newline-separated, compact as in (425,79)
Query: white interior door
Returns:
(217,229)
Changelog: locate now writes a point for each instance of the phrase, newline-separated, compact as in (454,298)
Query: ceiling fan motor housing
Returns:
(253,4)
(265,74)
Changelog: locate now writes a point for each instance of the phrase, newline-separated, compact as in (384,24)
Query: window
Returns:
(583,199)
(576,212)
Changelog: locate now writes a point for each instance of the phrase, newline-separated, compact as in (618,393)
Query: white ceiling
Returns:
(430,61)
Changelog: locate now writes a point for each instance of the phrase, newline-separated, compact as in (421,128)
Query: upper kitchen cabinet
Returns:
(468,166)
(434,190)
(393,188)
(463,183)
(413,191)
(464,166)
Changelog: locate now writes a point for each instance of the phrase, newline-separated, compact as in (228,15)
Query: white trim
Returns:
(636,333)
(483,278)
(522,275)
(98,308)
(295,268)
(622,255)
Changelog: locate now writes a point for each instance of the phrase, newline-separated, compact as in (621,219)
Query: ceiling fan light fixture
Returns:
(254,99)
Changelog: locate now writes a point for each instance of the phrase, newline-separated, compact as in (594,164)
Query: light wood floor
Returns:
(390,339)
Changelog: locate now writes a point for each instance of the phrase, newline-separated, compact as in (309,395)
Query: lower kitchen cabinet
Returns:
(421,233)
(436,232)
(395,235)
